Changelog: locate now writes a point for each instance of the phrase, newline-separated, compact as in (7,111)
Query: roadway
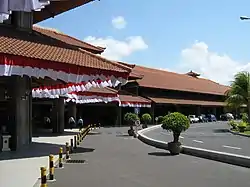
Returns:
(114,159)
(213,136)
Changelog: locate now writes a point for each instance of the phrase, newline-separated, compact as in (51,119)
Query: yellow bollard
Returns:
(71,145)
(43,177)
(75,142)
(51,168)
(60,157)
(67,150)
(78,139)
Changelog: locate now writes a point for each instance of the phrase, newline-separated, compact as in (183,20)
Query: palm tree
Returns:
(239,94)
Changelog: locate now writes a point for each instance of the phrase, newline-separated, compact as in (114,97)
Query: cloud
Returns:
(118,49)
(119,22)
(211,65)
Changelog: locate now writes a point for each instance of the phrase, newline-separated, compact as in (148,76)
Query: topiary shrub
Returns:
(244,117)
(242,126)
(176,123)
(160,119)
(146,118)
(233,124)
(130,118)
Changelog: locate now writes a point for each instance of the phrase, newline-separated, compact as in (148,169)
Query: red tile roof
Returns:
(154,78)
(57,7)
(68,39)
(36,46)
(186,102)
(128,97)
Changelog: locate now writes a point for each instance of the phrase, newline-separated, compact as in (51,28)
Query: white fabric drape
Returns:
(7,6)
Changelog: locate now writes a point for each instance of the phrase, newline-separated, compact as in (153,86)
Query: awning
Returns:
(133,101)
(186,102)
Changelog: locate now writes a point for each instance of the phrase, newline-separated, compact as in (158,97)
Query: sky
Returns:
(174,35)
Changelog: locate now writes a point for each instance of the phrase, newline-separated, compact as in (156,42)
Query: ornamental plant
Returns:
(160,119)
(146,118)
(130,118)
(233,124)
(176,123)
(244,117)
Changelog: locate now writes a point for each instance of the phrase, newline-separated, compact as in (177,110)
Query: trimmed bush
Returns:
(242,126)
(130,118)
(176,123)
(233,124)
(146,118)
(244,117)
(160,119)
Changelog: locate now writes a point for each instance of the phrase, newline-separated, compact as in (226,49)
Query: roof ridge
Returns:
(176,73)
(101,49)
(104,59)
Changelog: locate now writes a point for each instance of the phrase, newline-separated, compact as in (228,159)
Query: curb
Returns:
(238,133)
(238,160)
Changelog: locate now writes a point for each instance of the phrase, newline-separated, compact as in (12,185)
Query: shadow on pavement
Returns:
(50,134)
(36,149)
(220,130)
(123,135)
(159,154)
(94,133)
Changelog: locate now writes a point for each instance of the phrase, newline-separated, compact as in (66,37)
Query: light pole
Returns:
(244,18)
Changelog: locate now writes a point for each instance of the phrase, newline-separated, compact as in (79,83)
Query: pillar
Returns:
(215,111)
(19,125)
(152,112)
(72,110)
(177,108)
(198,110)
(58,116)
(119,116)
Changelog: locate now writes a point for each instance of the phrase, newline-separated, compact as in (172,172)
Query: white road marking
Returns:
(198,141)
(226,146)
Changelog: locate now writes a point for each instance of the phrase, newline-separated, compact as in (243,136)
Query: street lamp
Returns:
(244,18)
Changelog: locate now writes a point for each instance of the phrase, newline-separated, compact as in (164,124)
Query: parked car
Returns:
(203,118)
(226,117)
(193,119)
(211,117)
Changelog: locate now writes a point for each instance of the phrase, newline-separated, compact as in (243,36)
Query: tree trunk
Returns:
(176,137)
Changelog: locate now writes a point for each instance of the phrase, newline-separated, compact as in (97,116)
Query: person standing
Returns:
(72,122)
(80,123)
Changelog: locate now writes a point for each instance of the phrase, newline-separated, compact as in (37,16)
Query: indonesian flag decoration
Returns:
(7,6)
(88,97)
(134,104)
(64,89)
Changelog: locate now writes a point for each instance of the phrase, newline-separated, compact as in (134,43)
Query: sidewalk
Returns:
(22,168)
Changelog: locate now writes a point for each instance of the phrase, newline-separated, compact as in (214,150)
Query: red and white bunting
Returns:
(91,97)
(135,104)
(76,78)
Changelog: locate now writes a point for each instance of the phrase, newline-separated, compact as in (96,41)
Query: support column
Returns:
(178,108)
(198,110)
(58,116)
(152,112)
(215,112)
(72,110)
(19,123)
(119,116)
